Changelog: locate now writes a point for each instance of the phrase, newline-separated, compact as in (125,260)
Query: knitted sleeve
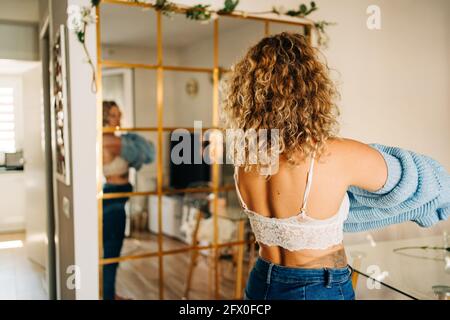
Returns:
(417,189)
(136,150)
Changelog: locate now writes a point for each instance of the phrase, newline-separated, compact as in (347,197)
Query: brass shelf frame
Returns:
(160,129)
(169,252)
(153,129)
(122,64)
(116,195)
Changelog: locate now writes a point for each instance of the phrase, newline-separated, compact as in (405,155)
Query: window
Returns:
(7,119)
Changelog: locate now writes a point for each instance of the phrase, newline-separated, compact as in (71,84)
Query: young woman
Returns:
(119,154)
(299,214)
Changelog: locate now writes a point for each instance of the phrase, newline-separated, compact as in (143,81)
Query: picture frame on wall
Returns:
(60,108)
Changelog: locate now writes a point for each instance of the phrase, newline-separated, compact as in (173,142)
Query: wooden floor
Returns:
(138,279)
(20,278)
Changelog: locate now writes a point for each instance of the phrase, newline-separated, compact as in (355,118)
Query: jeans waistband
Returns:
(285,274)
(111,188)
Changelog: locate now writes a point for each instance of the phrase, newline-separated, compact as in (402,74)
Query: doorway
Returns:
(27,226)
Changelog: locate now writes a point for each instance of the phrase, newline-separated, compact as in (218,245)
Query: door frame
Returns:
(52,247)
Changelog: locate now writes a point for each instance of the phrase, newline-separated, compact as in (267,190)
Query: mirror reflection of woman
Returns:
(119,154)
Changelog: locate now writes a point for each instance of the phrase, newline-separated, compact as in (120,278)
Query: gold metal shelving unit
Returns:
(160,67)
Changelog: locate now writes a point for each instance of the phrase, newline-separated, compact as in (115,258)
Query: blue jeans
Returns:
(269,281)
(114,219)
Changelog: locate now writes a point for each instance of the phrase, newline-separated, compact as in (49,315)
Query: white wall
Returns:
(22,10)
(23,192)
(83,137)
(13,184)
(12,209)
(395,81)
(35,179)
(18,29)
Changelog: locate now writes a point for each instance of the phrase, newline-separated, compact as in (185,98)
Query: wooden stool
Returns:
(238,259)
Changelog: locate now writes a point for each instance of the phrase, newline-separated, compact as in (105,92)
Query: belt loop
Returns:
(328,278)
(269,272)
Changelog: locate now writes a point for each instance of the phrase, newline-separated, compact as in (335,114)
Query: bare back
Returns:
(281,197)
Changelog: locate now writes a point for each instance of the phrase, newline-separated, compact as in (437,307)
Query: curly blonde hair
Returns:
(281,84)
(107,106)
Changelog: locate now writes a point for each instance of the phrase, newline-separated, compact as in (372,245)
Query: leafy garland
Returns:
(79,17)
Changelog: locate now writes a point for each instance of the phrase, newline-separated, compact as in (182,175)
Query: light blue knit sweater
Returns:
(417,189)
(136,150)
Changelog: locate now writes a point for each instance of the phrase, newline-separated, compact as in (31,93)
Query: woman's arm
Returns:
(364,165)
(417,188)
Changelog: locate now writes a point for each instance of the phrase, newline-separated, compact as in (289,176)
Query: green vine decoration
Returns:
(228,7)
(167,8)
(80,17)
(198,12)
(323,38)
(303,10)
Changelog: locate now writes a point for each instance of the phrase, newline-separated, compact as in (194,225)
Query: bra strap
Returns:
(308,185)
(236,168)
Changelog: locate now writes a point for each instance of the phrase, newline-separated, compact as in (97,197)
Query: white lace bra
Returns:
(117,166)
(298,232)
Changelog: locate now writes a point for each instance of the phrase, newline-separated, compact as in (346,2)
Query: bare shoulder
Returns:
(351,148)
(363,165)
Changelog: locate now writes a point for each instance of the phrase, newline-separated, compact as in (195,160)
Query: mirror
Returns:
(129,77)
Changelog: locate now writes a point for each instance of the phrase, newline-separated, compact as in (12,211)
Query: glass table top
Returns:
(418,268)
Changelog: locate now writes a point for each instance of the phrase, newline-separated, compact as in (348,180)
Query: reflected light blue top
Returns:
(136,150)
